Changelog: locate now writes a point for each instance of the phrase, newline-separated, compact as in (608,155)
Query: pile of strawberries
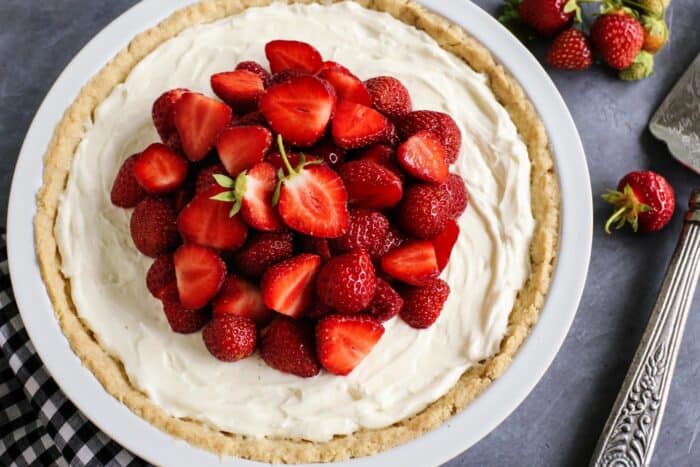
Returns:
(297,213)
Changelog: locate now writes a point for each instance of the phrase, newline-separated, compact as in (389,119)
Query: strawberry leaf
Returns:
(226,196)
(223,181)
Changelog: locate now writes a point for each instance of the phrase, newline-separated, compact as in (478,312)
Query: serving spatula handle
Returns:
(632,428)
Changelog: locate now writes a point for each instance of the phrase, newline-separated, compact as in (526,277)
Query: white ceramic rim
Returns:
(435,447)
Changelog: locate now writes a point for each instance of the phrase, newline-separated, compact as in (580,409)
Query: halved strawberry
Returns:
(287,345)
(162,113)
(153,228)
(439,124)
(181,319)
(299,109)
(240,89)
(356,125)
(423,156)
(389,96)
(347,86)
(331,65)
(287,287)
(206,222)
(160,274)
(444,243)
(312,199)
(286,76)
(383,155)
(262,251)
(343,341)
(241,298)
(126,191)
(199,121)
(256,206)
(230,338)
(241,147)
(159,170)
(413,262)
(370,185)
(256,68)
(199,273)
(292,55)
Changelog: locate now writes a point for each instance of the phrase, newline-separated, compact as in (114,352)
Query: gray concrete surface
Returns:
(559,423)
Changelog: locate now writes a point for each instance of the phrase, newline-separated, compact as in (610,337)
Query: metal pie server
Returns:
(632,428)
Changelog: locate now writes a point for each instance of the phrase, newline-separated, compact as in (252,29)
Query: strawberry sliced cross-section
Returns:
(241,147)
(199,273)
(241,298)
(370,185)
(444,243)
(240,89)
(199,121)
(292,55)
(413,262)
(356,125)
(159,170)
(347,86)
(256,204)
(343,341)
(423,156)
(287,287)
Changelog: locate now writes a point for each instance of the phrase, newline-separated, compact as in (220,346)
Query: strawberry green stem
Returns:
(617,215)
(283,153)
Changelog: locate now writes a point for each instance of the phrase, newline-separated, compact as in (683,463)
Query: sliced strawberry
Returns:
(299,109)
(439,124)
(366,232)
(240,89)
(347,282)
(205,177)
(286,76)
(256,68)
(356,125)
(444,243)
(423,305)
(262,251)
(199,273)
(386,303)
(199,121)
(389,96)
(241,298)
(287,345)
(241,147)
(206,222)
(457,194)
(414,262)
(163,120)
(383,155)
(153,228)
(328,152)
(126,191)
(287,287)
(160,274)
(423,156)
(347,86)
(424,210)
(181,319)
(230,338)
(159,170)
(317,246)
(331,65)
(343,341)
(292,55)
(256,205)
(370,185)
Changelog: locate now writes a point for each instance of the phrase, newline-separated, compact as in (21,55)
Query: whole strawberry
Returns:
(655,33)
(347,282)
(548,17)
(645,200)
(618,38)
(570,51)
(288,345)
(229,337)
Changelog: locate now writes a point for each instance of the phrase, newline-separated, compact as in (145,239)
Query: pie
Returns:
(412,380)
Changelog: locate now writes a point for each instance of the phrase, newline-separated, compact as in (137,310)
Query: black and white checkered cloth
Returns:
(38,424)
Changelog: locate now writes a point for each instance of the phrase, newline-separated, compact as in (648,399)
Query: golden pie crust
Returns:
(109,371)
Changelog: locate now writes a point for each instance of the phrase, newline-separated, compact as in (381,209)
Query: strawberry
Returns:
(439,124)
(299,109)
(413,262)
(206,222)
(570,51)
(160,274)
(370,185)
(347,282)
(389,96)
(444,243)
(457,194)
(288,287)
(422,305)
(199,121)
(347,86)
(423,156)
(645,200)
(331,65)
(356,125)
(292,55)
(343,341)
(392,239)
(286,76)
(618,38)
(205,178)
(159,170)
(199,273)
(329,153)
(275,158)
(424,210)
(386,303)
(181,319)
(163,120)
(240,89)
(318,310)
(258,69)
(230,338)
(317,246)
(287,345)
(126,191)
(655,32)
(262,251)
(383,155)
(312,199)
(391,137)
(241,298)
(256,207)
(241,147)
(367,232)
(547,17)
(251,119)
(153,228)
(184,195)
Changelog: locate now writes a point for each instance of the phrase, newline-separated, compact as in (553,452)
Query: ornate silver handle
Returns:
(631,430)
